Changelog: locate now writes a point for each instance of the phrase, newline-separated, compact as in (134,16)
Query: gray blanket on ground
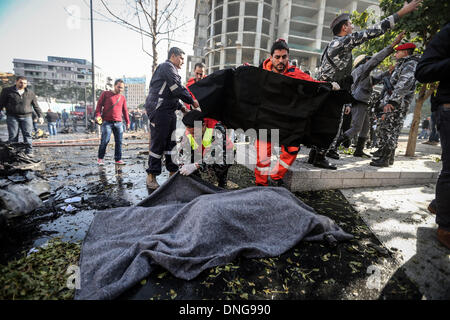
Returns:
(187,226)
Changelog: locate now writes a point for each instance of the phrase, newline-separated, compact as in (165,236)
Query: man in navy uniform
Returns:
(161,103)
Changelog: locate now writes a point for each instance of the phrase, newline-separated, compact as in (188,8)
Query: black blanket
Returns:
(252,98)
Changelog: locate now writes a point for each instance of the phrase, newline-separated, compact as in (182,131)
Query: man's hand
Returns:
(184,110)
(388,108)
(391,68)
(409,7)
(188,169)
(398,39)
(347,110)
(335,86)
(196,105)
(41,120)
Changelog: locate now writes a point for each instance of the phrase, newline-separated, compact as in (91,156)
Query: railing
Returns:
(304,48)
(304,19)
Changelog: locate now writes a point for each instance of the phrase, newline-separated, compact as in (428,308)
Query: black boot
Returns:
(391,158)
(332,153)
(378,153)
(312,155)
(343,139)
(321,162)
(359,148)
(383,161)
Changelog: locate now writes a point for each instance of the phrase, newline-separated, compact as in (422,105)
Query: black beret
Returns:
(192,116)
(338,19)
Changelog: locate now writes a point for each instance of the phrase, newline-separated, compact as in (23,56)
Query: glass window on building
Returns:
(217,28)
(265,27)
(247,56)
(216,59)
(251,9)
(219,2)
(248,40)
(233,9)
(267,13)
(219,13)
(230,56)
(250,24)
(268,1)
(231,39)
(265,42)
(232,25)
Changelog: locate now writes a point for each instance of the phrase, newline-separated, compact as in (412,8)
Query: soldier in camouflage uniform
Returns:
(396,103)
(336,62)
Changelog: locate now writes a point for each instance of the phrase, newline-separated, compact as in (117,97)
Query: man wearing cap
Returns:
(278,62)
(161,103)
(434,65)
(362,89)
(396,103)
(210,146)
(336,61)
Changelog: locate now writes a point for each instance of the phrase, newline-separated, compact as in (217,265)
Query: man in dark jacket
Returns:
(161,104)
(435,66)
(52,119)
(19,103)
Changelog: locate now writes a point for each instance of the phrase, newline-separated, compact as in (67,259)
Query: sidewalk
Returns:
(399,218)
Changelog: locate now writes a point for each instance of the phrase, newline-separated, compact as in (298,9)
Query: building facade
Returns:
(135,91)
(60,71)
(242,31)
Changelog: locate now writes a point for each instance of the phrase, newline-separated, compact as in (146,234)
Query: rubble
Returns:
(20,188)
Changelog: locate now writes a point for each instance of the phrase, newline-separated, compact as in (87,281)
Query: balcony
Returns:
(304,48)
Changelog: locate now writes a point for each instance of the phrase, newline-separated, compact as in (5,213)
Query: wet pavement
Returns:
(79,187)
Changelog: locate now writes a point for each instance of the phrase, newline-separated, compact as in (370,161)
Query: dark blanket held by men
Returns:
(187,226)
(252,98)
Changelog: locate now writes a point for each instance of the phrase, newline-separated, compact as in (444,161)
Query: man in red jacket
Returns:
(278,62)
(111,106)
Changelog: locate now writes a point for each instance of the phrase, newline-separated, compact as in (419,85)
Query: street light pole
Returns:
(92,51)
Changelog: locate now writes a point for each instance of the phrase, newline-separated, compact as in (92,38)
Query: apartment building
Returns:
(242,31)
(60,71)
(135,91)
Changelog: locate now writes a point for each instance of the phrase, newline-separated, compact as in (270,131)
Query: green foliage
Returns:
(420,25)
(40,275)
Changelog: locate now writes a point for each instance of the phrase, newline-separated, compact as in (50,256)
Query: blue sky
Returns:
(35,29)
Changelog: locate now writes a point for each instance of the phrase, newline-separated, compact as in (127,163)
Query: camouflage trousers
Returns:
(390,128)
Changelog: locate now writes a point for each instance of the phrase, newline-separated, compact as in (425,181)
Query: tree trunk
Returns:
(424,94)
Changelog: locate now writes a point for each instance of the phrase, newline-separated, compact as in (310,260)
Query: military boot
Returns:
(343,139)
(359,149)
(312,155)
(152,184)
(384,159)
(378,153)
(332,153)
(321,162)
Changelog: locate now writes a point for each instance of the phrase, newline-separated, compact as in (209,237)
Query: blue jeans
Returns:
(25,124)
(116,127)
(52,128)
(443,183)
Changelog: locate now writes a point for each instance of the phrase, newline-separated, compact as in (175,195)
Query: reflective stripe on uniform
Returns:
(154,155)
(174,87)
(263,169)
(207,137)
(160,100)
(284,164)
(162,88)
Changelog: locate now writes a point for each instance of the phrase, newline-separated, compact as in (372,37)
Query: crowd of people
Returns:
(375,116)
